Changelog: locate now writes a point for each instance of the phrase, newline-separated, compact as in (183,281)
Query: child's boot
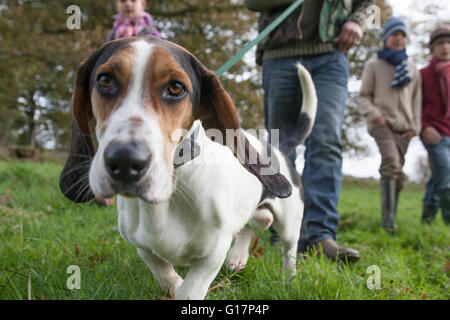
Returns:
(445,206)
(429,213)
(388,205)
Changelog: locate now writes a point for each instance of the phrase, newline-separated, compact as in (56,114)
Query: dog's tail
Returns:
(307,114)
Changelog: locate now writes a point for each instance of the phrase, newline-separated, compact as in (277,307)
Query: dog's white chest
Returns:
(214,197)
(188,225)
(159,229)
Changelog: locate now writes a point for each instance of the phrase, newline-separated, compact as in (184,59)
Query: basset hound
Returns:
(188,178)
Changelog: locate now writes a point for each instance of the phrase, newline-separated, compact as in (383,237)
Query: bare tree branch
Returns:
(190,8)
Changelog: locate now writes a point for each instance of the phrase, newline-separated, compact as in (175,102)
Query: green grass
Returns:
(42,234)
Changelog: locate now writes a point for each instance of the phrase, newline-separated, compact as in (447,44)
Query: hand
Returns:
(381,121)
(351,34)
(408,135)
(430,136)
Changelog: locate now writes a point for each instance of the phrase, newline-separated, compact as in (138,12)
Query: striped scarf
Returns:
(124,27)
(399,59)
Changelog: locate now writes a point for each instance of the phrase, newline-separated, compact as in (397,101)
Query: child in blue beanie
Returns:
(390,99)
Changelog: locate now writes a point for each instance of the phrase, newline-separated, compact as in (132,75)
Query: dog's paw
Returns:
(171,285)
(291,275)
(237,260)
(263,218)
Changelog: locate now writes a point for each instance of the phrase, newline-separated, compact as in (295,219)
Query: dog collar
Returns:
(187,150)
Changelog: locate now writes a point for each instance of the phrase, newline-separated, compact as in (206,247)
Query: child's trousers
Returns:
(393,146)
(439,158)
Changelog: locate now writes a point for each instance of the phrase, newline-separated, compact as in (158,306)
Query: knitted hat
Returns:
(440,32)
(393,24)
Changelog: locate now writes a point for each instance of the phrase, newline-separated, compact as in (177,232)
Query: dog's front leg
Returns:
(203,271)
(238,255)
(168,279)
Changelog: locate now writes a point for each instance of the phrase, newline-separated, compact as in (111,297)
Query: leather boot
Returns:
(429,213)
(388,205)
(445,206)
(332,251)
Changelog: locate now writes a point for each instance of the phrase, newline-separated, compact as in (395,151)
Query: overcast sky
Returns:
(413,9)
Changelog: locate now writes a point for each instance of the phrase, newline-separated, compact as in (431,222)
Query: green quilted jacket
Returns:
(310,29)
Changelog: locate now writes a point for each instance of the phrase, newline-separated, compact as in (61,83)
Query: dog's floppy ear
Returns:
(74,179)
(216,110)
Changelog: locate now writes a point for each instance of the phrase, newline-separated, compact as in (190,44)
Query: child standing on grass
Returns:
(390,99)
(436,125)
(131,20)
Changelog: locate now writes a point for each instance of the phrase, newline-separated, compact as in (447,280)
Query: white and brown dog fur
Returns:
(142,93)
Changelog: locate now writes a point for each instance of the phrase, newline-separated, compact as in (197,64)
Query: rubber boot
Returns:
(388,205)
(429,213)
(397,195)
(445,206)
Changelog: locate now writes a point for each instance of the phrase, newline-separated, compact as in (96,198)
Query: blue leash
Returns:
(259,38)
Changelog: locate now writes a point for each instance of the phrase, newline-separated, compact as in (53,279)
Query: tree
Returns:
(39,55)
(38,58)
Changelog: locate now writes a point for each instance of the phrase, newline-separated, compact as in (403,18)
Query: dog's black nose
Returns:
(127,162)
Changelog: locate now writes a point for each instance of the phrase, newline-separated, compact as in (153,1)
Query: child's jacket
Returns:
(434,108)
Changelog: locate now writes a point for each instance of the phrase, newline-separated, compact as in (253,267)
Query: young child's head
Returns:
(130,8)
(395,33)
(440,43)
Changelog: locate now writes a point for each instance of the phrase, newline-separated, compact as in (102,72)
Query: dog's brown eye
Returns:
(105,82)
(176,89)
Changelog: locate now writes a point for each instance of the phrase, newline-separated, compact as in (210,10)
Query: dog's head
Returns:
(141,92)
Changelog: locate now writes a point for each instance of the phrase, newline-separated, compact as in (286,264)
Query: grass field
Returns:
(42,234)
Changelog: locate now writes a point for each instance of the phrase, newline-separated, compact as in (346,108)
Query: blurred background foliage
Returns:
(39,56)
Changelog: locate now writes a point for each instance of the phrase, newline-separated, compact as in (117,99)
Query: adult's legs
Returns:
(282,102)
(322,174)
